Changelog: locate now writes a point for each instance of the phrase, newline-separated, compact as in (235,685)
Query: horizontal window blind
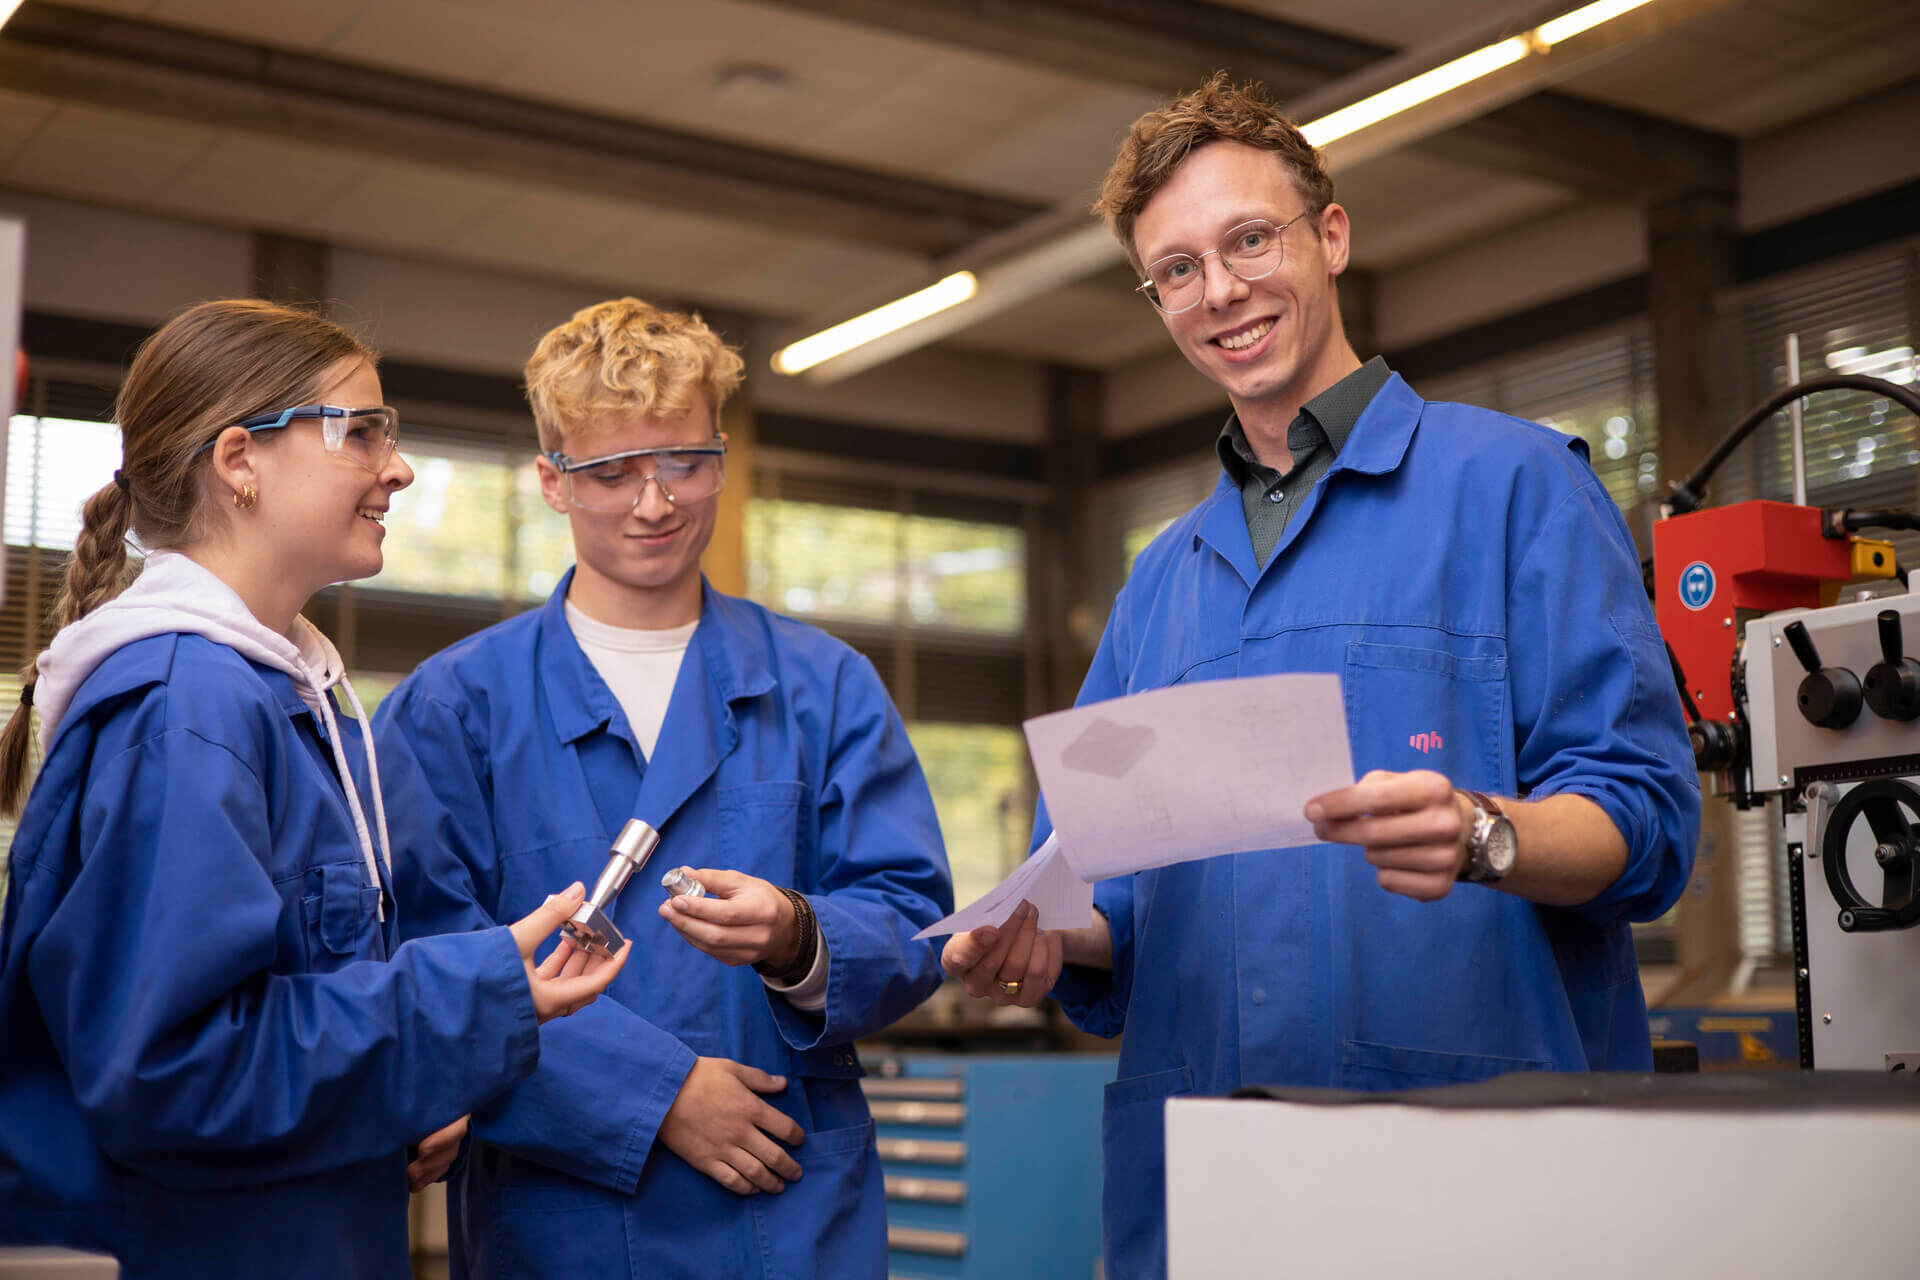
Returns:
(1856,315)
(1598,386)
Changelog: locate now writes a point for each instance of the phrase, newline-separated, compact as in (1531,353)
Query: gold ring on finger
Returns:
(1011,988)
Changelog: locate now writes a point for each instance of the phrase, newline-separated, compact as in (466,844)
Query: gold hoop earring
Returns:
(244,497)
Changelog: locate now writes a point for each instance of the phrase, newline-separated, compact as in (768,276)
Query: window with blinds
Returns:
(925,574)
(1855,315)
(1598,386)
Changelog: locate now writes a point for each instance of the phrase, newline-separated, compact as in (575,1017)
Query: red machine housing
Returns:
(1714,569)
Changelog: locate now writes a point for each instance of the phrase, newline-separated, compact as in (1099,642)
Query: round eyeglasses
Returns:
(365,437)
(616,482)
(1250,251)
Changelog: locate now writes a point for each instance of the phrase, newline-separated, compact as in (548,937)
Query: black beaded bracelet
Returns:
(809,943)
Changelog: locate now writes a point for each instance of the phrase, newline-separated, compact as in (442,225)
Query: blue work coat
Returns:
(509,766)
(1480,596)
(215,1056)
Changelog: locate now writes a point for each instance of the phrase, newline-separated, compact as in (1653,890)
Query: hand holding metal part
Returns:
(591,929)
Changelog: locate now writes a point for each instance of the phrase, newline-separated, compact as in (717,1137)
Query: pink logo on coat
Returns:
(1424,742)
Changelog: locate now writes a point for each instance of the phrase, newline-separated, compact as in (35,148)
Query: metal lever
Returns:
(591,928)
(1893,684)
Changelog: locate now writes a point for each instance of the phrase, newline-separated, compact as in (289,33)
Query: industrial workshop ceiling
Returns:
(791,159)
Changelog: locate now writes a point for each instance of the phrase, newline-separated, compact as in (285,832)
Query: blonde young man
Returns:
(705,1118)
(1478,592)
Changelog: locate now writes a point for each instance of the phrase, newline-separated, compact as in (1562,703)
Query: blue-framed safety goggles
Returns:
(366,436)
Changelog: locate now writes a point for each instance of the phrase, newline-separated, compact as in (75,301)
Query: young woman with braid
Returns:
(216,1052)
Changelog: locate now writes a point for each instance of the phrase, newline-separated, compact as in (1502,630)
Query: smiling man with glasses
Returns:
(708,1120)
(1507,697)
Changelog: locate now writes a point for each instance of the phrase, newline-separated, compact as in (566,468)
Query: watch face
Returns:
(1502,848)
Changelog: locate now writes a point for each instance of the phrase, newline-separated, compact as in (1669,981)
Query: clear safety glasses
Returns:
(1251,251)
(365,437)
(617,481)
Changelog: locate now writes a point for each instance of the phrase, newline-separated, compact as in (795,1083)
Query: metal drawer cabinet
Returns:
(992,1164)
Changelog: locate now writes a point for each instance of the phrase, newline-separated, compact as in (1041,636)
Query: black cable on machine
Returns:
(1680,678)
(1689,494)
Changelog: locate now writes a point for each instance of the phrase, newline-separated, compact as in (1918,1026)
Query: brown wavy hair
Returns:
(1218,111)
(201,372)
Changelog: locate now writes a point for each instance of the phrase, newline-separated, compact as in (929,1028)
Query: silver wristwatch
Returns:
(1491,845)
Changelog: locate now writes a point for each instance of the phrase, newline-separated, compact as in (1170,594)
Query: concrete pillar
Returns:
(290,270)
(1061,561)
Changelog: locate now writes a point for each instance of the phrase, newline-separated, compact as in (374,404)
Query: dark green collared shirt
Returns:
(1314,437)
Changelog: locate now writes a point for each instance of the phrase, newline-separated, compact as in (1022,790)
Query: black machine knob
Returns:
(1829,696)
(1893,684)
(1716,744)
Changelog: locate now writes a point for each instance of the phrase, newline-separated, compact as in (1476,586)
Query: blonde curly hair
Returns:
(630,357)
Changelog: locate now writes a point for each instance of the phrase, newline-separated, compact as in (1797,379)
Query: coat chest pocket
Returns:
(760,830)
(1411,708)
(342,916)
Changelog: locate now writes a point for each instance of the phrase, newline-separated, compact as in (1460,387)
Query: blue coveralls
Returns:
(508,766)
(215,1056)
(1479,594)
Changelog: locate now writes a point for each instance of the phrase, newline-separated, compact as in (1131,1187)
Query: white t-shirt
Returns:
(640,667)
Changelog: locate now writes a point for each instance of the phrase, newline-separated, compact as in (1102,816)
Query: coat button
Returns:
(1258,995)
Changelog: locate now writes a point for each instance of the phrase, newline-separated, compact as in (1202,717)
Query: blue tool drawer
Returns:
(992,1164)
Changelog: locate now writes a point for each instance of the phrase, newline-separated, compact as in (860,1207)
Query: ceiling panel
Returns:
(310,22)
(1397,24)
(437,39)
(1758,66)
(809,279)
(395,204)
(1407,205)
(1059,157)
(278,184)
(1843,77)
(1086,325)
(21,117)
(117,156)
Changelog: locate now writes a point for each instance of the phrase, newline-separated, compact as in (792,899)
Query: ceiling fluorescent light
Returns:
(862,329)
(1059,247)
(1585,18)
(1411,93)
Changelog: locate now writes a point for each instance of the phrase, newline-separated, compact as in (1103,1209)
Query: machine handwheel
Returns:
(1886,805)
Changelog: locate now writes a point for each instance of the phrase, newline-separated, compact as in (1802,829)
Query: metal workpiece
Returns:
(592,928)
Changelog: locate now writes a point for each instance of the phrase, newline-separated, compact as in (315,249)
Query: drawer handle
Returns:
(947,1244)
(915,1088)
(948,1114)
(927,1190)
(923,1151)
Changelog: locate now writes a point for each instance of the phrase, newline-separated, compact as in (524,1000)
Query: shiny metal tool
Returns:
(591,928)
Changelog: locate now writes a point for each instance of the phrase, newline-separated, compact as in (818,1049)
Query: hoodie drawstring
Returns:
(353,794)
(373,770)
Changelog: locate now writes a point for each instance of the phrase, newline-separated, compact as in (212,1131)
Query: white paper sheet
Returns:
(1064,900)
(1192,771)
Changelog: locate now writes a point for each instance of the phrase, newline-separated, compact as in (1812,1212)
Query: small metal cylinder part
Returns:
(680,883)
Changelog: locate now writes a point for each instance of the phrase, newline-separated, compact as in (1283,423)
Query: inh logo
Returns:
(1424,742)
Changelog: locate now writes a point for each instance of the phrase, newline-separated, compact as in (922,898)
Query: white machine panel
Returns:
(1846,636)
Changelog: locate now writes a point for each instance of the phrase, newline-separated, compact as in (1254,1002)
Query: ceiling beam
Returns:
(1170,46)
(101,60)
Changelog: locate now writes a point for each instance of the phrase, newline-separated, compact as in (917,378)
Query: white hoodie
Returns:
(174,595)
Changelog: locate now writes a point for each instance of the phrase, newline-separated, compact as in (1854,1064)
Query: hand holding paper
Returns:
(1168,776)
(1063,899)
